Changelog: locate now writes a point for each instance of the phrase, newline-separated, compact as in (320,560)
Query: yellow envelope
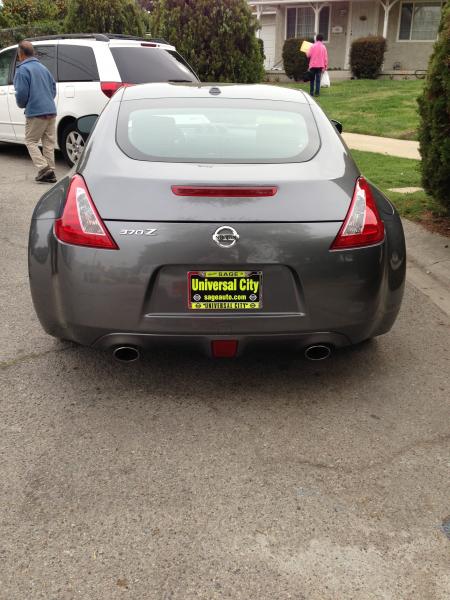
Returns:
(305,46)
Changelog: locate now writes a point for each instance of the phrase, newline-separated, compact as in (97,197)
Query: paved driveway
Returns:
(180,478)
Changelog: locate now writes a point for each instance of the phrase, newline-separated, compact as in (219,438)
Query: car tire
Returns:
(72,144)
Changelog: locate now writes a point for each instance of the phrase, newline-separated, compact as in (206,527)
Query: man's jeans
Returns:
(44,130)
(317,74)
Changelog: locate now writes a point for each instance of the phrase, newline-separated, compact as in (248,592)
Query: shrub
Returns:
(295,62)
(434,110)
(106,16)
(367,56)
(261,48)
(217,38)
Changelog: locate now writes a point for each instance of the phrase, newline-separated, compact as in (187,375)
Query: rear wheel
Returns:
(72,144)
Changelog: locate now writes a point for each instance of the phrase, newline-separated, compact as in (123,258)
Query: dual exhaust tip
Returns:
(129,354)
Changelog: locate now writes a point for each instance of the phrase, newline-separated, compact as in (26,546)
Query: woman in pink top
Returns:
(318,62)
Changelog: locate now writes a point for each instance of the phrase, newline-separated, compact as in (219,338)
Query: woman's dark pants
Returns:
(317,73)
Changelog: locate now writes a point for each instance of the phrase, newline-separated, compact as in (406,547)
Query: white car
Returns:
(88,69)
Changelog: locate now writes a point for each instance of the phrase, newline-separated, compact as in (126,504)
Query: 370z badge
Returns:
(138,232)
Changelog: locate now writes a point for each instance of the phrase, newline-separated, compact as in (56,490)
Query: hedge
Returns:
(295,62)
(367,56)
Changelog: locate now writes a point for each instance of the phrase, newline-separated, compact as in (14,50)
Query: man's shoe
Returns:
(49,177)
(42,173)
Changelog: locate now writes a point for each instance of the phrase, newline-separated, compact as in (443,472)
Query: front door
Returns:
(6,128)
(364,19)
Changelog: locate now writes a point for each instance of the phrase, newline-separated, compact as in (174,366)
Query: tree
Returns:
(218,37)
(106,16)
(434,110)
(16,13)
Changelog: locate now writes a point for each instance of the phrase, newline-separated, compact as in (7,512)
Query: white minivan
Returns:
(88,69)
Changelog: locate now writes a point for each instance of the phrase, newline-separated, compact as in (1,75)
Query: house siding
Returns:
(410,55)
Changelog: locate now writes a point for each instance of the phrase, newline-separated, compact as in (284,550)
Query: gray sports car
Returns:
(220,216)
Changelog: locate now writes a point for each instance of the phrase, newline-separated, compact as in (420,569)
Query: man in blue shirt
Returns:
(35,92)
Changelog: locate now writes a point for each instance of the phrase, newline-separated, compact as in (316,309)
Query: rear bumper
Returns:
(137,295)
(203,343)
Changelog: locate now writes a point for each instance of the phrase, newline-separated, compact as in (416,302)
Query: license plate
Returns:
(225,290)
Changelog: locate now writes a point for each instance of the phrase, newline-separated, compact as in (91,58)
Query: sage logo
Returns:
(225,236)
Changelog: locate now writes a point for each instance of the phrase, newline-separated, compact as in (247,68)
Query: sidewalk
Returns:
(382,145)
(428,263)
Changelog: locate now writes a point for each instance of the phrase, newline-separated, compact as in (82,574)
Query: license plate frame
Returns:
(227,291)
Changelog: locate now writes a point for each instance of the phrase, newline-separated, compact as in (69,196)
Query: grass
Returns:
(392,172)
(379,107)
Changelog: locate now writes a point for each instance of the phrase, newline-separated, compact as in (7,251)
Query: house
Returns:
(409,26)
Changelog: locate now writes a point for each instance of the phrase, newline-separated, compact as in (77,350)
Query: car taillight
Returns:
(363,225)
(109,88)
(80,223)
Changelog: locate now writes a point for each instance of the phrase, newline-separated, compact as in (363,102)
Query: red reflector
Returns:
(109,88)
(223,192)
(224,348)
(80,224)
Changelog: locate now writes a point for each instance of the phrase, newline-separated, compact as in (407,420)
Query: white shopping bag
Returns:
(325,80)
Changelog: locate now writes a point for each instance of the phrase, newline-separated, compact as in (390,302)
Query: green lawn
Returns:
(393,172)
(379,107)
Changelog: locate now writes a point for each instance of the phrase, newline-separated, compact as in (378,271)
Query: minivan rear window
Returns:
(217,130)
(144,64)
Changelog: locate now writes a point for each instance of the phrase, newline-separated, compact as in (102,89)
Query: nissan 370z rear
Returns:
(220,217)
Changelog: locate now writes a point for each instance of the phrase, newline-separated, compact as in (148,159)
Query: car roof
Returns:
(206,90)
(98,39)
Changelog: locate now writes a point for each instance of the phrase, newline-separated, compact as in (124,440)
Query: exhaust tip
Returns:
(126,354)
(317,352)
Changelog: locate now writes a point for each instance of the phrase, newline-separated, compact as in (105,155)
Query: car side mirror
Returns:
(86,124)
(337,125)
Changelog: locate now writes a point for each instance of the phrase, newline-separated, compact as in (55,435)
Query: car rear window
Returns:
(76,63)
(217,131)
(143,64)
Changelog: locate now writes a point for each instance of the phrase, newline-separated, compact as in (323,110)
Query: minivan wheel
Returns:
(72,144)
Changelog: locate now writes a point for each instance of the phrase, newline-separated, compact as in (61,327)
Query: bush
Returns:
(295,62)
(261,48)
(106,16)
(217,38)
(434,110)
(367,56)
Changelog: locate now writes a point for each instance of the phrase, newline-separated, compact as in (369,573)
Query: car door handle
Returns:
(12,91)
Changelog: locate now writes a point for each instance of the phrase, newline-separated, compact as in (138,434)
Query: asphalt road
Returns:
(179,477)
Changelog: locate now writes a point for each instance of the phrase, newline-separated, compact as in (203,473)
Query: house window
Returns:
(300,22)
(419,21)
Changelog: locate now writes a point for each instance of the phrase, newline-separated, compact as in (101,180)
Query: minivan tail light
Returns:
(80,223)
(109,88)
(363,225)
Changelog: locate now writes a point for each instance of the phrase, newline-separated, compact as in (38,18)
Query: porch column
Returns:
(348,38)
(259,10)
(387,6)
(316,8)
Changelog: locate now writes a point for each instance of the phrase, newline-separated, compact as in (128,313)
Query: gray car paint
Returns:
(138,294)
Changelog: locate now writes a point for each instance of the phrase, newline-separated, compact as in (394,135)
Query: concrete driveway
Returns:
(179,477)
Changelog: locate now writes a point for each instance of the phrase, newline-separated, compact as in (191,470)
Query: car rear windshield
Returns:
(144,64)
(217,131)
